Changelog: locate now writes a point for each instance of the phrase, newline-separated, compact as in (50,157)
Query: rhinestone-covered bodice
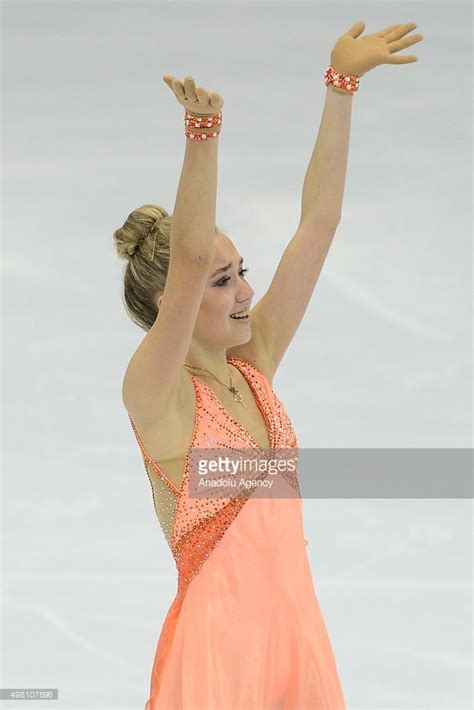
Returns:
(193,526)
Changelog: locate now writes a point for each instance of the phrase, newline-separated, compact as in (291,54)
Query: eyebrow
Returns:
(226,268)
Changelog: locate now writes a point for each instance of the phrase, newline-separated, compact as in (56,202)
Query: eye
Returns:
(223,281)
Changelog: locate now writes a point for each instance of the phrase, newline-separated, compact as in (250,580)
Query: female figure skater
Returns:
(245,630)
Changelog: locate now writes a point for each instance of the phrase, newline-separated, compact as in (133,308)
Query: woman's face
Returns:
(226,292)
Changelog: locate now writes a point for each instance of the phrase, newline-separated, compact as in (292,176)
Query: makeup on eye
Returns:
(223,281)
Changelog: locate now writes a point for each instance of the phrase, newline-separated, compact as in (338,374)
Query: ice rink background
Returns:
(382,357)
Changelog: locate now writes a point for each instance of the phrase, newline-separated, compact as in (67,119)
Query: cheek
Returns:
(216,302)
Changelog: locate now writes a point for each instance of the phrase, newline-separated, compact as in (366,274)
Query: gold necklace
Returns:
(236,393)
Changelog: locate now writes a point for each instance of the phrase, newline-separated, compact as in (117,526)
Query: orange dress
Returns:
(245,630)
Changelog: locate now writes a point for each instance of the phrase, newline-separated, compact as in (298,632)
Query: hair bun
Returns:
(139,225)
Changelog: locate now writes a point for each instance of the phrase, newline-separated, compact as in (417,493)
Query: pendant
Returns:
(237,396)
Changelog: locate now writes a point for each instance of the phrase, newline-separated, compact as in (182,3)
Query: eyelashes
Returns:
(223,281)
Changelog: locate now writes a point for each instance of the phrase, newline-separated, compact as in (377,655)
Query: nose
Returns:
(246,294)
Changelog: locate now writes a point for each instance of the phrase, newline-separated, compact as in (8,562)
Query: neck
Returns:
(201,362)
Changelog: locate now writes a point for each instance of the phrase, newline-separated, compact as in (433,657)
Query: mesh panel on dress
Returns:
(164,502)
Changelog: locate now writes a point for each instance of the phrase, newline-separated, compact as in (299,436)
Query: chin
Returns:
(245,337)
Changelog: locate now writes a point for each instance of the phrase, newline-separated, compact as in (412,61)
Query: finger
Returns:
(356,29)
(167,78)
(386,31)
(202,96)
(190,88)
(400,31)
(178,88)
(404,43)
(216,100)
(401,59)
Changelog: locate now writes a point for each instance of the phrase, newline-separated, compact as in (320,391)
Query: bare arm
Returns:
(278,314)
(323,187)
(194,215)
(280,311)
(154,375)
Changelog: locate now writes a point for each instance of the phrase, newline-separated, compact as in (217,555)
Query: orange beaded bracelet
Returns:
(193,122)
(346,82)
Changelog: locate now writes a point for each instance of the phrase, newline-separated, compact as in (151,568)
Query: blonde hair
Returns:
(144,235)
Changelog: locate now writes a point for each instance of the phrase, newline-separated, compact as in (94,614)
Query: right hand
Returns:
(196,101)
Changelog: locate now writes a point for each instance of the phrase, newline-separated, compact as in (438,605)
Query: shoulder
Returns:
(144,405)
(256,355)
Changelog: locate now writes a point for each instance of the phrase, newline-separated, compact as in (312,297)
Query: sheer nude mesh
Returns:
(164,502)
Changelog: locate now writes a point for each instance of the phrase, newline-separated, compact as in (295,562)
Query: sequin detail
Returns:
(194,526)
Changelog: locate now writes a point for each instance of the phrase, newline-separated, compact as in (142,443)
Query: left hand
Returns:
(352,56)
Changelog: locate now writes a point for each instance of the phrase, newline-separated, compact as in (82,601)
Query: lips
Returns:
(242,310)
(243,318)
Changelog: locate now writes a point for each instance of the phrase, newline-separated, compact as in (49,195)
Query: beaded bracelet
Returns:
(192,122)
(346,82)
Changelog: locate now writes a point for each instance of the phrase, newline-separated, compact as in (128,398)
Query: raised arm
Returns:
(194,216)
(278,314)
(154,375)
